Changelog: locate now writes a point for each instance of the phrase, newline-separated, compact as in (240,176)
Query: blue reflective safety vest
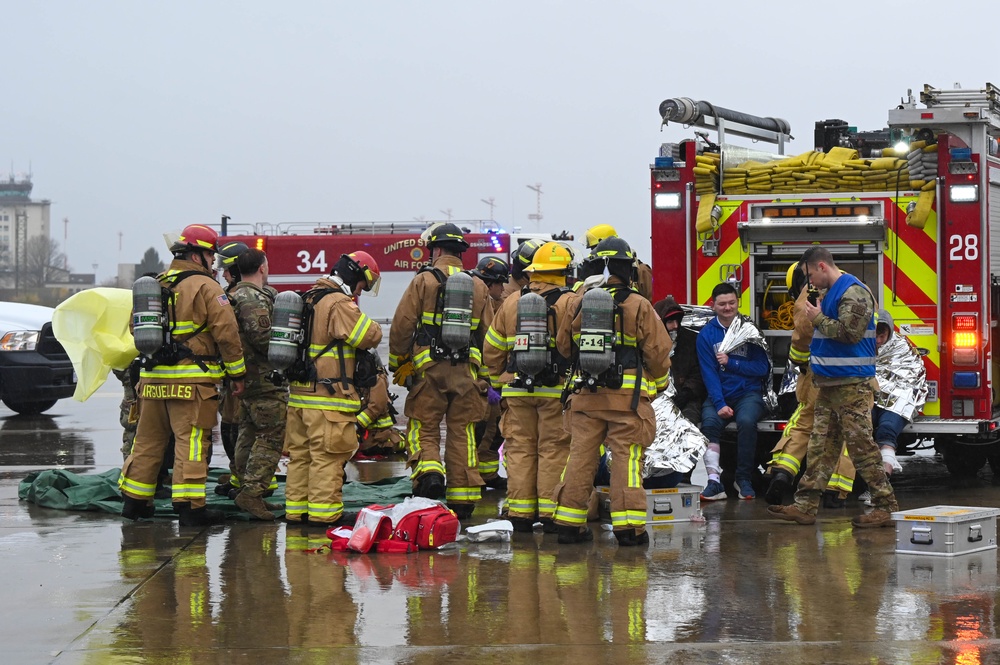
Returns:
(836,359)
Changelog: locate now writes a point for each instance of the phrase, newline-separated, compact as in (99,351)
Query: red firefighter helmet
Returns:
(199,236)
(366,269)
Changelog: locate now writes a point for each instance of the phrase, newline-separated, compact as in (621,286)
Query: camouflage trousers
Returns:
(260,441)
(843,418)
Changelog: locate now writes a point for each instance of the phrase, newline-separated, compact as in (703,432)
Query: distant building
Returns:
(21,218)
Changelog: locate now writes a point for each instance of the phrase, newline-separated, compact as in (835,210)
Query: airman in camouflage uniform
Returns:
(842,360)
(263,406)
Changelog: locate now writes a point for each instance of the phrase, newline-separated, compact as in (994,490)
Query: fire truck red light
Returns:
(926,116)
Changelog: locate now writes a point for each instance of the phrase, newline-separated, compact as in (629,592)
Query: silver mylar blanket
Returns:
(743,331)
(678,444)
(902,378)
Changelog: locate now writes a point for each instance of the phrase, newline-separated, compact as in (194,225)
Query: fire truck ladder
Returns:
(986,98)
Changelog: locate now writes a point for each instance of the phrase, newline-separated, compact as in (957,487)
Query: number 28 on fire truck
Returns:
(912,210)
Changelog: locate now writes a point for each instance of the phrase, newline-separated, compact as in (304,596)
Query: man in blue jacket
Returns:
(734,381)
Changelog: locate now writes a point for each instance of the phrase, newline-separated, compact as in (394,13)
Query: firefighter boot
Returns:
(522,524)
(189,516)
(781,482)
(548,526)
(629,538)
(255,506)
(136,509)
(574,534)
(430,486)
(462,510)
(832,499)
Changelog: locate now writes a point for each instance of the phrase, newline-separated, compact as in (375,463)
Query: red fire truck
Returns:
(913,210)
(298,254)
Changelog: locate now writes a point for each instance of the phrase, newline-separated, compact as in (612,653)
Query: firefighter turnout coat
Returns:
(607,416)
(179,395)
(442,390)
(321,434)
(536,443)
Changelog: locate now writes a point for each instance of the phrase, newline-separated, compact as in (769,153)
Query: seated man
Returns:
(902,378)
(685,372)
(734,383)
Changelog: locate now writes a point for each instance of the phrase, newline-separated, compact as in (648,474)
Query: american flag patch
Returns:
(223,299)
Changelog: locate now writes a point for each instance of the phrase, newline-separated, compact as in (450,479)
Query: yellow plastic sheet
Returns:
(93,328)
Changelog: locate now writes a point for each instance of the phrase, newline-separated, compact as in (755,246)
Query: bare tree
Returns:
(42,259)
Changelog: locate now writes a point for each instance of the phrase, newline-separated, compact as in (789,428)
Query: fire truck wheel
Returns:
(964,461)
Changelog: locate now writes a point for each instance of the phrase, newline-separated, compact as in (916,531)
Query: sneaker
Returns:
(791,514)
(781,482)
(745,490)
(865,498)
(713,491)
(874,519)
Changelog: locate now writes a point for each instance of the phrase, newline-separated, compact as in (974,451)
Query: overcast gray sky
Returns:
(140,117)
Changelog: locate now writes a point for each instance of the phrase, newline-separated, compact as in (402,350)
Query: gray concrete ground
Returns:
(91,588)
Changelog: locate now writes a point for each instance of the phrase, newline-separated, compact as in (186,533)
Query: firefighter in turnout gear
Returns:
(642,274)
(321,430)
(519,260)
(536,445)
(439,327)
(178,384)
(622,352)
(494,272)
(264,404)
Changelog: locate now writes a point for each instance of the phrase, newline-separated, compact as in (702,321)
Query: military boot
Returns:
(874,519)
(188,516)
(136,509)
(255,506)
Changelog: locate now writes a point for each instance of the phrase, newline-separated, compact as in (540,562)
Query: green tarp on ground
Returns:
(65,490)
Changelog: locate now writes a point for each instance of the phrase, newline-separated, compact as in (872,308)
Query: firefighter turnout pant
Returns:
(535,451)
(626,434)
(260,441)
(791,448)
(489,437)
(319,444)
(450,393)
(189,412)
(843,417)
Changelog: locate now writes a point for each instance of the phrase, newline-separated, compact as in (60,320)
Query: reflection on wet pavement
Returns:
(740,588)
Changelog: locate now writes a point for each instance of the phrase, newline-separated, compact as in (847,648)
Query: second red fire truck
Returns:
(913,210)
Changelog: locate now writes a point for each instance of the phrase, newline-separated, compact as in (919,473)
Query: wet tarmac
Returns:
(740,588)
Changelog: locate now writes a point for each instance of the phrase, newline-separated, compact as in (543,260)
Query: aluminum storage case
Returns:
(673,504)
(946,530)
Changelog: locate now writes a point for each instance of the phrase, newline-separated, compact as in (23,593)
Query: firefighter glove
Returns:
(402,373)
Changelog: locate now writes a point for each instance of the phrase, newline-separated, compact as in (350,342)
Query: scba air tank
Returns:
(286,330)
(456,320)
(531,344)
(147,315)
(597,330)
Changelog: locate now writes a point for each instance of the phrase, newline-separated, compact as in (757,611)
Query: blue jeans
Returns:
(887,426)
(748,410)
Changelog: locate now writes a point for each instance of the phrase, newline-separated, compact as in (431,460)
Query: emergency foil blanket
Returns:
(677,445)
(743,331)
(902,378)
